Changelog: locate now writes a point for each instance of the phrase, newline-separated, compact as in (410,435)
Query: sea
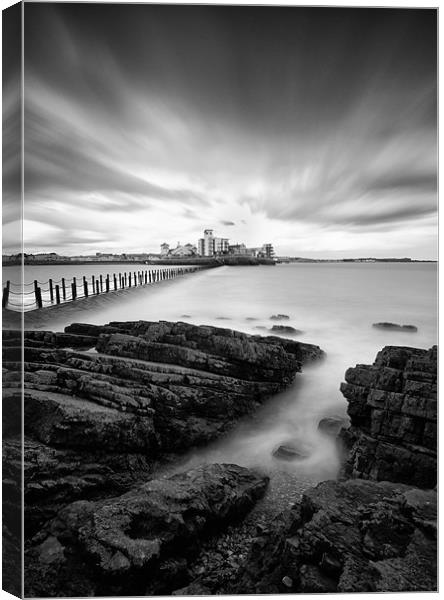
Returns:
(333,304)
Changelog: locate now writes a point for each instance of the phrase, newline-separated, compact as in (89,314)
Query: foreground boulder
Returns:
(138,543)
(354,536)
(104,404)
(393,412)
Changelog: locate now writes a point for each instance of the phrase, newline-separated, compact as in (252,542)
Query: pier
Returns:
(38,295)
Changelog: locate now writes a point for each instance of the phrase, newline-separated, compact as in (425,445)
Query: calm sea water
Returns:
(334,304)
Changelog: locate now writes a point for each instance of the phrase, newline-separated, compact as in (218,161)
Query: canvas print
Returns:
(219,299)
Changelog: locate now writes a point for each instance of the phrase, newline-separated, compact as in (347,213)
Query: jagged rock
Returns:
(393,410)
(359,535)
(353,536)
(97,422)
(139,541)
(395,327)
(286,329)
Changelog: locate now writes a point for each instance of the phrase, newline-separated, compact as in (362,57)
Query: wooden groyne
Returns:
(38,295)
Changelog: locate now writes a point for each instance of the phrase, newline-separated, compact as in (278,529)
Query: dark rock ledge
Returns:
(104,405)
(138,543)
(98,422)
(392,405)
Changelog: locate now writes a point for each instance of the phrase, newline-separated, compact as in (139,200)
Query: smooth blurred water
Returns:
(334,304)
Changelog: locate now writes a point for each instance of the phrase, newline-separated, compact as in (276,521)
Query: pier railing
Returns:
(39,294)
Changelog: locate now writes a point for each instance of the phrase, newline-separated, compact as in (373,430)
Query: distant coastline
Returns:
(202,261)
(229,260)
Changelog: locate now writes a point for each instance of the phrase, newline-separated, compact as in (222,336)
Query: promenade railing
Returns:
(36,295)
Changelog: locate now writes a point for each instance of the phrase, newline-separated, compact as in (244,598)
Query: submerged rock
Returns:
(290,451)
(395,327)
(286,329)
(140,540)
(331,425)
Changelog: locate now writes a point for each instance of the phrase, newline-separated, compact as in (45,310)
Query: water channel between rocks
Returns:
(333,304)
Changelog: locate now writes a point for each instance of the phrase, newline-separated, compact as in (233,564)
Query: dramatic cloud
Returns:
(313,129)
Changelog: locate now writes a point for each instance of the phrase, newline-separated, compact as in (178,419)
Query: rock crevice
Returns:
(374,530)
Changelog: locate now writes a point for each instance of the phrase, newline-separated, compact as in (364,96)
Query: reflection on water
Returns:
(333,304)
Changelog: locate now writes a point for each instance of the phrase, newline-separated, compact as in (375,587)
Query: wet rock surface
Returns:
(362,534)
(393,412)
(352,536)
(104,404)
(290,451)
(138,543)
(95,529)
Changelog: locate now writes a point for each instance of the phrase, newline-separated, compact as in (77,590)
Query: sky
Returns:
(309,128)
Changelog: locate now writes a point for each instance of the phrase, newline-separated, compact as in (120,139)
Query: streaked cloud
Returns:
(313,129)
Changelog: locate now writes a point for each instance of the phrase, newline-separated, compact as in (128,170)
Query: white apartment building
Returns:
(212,246)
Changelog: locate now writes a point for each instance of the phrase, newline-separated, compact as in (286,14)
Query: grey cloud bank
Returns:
(146,124)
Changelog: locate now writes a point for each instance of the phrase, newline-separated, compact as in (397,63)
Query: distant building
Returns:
(206,245)
(238,249)
(210,245)
(221,245)
(179,251)
(268,250)
(183,251)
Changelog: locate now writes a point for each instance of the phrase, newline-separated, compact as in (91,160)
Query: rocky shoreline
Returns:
(105,406)
(374,530)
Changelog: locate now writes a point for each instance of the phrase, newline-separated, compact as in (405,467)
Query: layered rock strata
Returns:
(392,406)
(104,403)
(362,534)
